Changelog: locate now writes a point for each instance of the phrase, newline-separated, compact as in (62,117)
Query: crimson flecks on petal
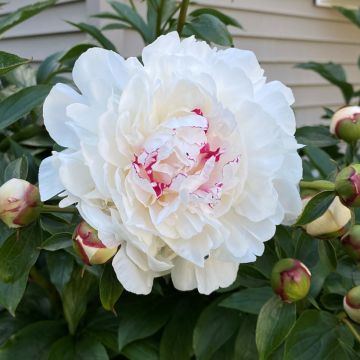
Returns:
(187,160)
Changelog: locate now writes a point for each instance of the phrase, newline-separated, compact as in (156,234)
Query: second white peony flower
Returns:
(186,162)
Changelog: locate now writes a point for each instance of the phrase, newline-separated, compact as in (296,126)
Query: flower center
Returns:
(181,159)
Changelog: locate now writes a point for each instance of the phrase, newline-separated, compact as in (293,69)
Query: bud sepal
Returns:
(352,304)
(345,124)
(347,185)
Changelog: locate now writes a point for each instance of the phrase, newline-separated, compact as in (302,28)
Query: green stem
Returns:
(159,18)
(54,208)
(132,4)
(317,185)
(351,328)
(182,15)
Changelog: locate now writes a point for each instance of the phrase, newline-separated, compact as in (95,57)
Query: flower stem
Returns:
(317,185)
(182,15)
(159,18)
(54,208)
(351,328)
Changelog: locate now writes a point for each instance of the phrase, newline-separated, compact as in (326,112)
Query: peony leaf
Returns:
(322,161)
(109,287)
(214,328)
(210,29)
(73,53)
(19,253)
(245,346)
(33,340)
(249,300)
(11,294)
(83,348)
(316,207)
(274,324)
(23,13)
(176,342)
(57,242)
(96,34)
(9,62)
(16,169)
(60,266)
(317,335)
(21,103)
(226,19)
(315,136)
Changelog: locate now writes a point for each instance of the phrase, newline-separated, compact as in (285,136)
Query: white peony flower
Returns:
(188,161)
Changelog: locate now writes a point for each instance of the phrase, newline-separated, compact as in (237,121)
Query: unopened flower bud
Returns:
(351,242)
(89,247)
(347,185)
(345,124)
(290,279)
(19,203)
(333,223)
(352,304)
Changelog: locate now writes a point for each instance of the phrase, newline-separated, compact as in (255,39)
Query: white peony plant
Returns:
(186,162)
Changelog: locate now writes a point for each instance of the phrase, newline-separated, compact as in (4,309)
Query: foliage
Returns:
(66,310)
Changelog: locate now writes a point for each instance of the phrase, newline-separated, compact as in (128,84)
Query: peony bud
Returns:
(89,247)
(351,242)
(352,304)
(347,185)
(290,279)
(19,203)
(345,123)
(333,223)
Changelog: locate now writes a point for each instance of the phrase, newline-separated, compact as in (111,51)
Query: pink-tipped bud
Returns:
(345,123)
(351,242)
(347,185)
(19,203)
(333,223)
(89,247)
(352,304)
(291,280)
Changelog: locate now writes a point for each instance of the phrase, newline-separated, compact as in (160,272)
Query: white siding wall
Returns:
(281,32)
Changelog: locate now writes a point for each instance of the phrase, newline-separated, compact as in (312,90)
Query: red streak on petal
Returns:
(209,153)
(198,112)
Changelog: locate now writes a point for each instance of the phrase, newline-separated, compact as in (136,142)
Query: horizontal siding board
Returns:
(38,48)
(51,21)
(15,4)
(298,8)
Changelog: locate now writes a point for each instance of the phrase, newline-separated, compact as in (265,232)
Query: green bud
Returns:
(19,203)
(347,185)
(345,124)
(89,247)
(290,279)
(351,242)
(352,304)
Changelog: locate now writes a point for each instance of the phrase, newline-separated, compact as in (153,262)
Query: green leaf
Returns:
(249,300)
(227,20)
(333,302)
(327,255)
(75,297)
(57,242)
(131,17)
(33,341)
(60,266)
(17,169)
(11,294)
(334,73)
(321,160)
(96,34)
(316,207)
(85,348)
(19,253)
(9,62)
(176,342)
(22,14)
(317,335)
(109,287)
(210,29)
(103,326)
(215,326)
(142,349)
(273,325)
(15,106)
(245,346)
(315,136)
(48,68)
(141,317)
(73,54)
(352,15)
(9,325)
